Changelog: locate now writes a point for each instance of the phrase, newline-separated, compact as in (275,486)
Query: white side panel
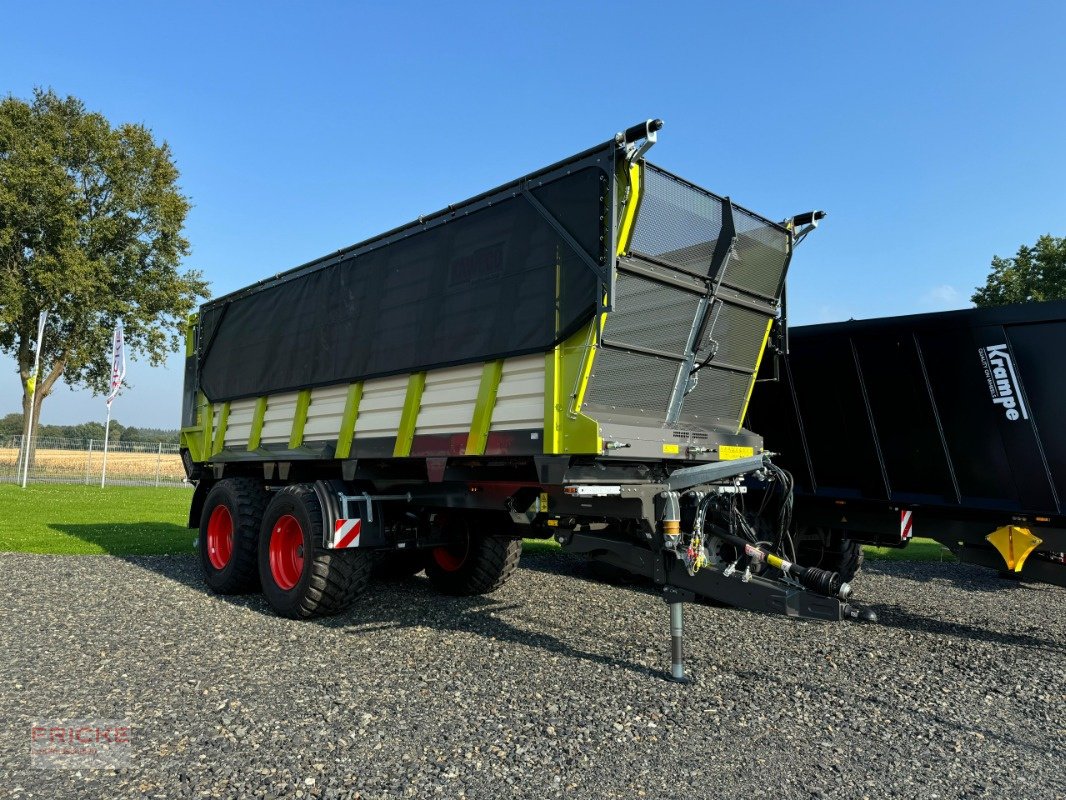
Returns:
(520,398)
(239,426)
(381,407)
(216,418)
(277,422)
(325,412)
(448,400)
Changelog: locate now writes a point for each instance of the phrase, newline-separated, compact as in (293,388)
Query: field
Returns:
(123,520)
(84,465)
(73,519)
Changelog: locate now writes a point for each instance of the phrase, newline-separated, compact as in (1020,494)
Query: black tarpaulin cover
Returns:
(496,282)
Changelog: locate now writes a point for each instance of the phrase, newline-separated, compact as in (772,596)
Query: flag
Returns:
(118,363)
(31,381)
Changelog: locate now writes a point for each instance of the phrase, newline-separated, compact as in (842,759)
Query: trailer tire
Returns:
(399,565)
(852,557)
(829,550)
(300,578)
(476,563)
(229,535)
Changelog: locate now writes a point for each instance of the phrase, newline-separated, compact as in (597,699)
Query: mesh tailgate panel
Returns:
(739,333)
(677,223)
(632,381)
(758,262)
(718,397)
(651,315)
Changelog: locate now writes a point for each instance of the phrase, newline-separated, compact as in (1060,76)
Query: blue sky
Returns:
(931,132)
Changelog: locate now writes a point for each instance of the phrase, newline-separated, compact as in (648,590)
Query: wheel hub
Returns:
(220,537)
(287,552)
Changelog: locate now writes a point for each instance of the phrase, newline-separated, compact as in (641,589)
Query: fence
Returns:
(55,460)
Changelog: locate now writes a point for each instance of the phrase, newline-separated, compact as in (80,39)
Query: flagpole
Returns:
(41,321)
(107,434)
(118,373)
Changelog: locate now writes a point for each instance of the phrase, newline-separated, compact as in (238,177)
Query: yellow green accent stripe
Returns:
(486,402)
(208,417)
(405,436)
(190,335)
(220,434)
(351,413)
(566,430)
(586,367)
(303,402)
(625,231)
(255,436)
(758,363)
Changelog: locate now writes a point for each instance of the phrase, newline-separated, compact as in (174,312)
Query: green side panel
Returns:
(351,413)
(405,436)
(486,402)
(192,440)
(303,402)
(220,434)
(566,374)
(255,436)
(190,335)
(197,438)
(207,420)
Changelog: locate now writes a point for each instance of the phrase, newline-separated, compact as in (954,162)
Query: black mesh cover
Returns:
(493,282)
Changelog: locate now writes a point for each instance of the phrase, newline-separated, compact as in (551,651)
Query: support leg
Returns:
(676,598)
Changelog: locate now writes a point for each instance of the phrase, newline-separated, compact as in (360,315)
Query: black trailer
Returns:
(947,426)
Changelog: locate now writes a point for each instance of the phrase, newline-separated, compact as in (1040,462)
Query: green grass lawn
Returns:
(64,518)
(917,550)
(124,520)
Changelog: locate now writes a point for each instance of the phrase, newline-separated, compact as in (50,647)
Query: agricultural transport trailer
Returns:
(947,426)
(569,355)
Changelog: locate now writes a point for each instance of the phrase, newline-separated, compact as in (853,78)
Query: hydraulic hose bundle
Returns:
(813,578)
(716,507)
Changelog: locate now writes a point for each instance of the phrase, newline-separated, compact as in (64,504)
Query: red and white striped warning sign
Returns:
(905,525)
(346,533)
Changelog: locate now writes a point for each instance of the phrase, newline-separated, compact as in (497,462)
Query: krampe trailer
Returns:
(569,355)
(952,423)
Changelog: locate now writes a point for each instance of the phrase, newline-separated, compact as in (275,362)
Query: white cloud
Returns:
(943,297)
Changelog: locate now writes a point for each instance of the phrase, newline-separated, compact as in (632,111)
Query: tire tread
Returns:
(336,577)
(250,501)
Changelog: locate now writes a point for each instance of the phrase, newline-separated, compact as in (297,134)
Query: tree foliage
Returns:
(91,221)
(1034,274)
(12,425)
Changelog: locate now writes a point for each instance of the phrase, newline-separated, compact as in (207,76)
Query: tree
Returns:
(10,425)
(1036,273)
(91,221)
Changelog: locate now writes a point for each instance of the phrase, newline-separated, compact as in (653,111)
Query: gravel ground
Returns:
(552,686)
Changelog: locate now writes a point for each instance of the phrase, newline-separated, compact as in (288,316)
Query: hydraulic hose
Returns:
(817,580)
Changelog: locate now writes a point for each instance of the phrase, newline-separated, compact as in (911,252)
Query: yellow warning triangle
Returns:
(1014,544)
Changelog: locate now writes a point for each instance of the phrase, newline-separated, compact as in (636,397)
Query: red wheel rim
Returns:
(451,558)
(287,552)
(220,537)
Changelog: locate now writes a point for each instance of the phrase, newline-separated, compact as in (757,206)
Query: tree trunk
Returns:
(38,401)
(43,389)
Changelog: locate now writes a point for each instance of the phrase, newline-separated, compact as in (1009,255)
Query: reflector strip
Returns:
(346,533)
(905,525)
